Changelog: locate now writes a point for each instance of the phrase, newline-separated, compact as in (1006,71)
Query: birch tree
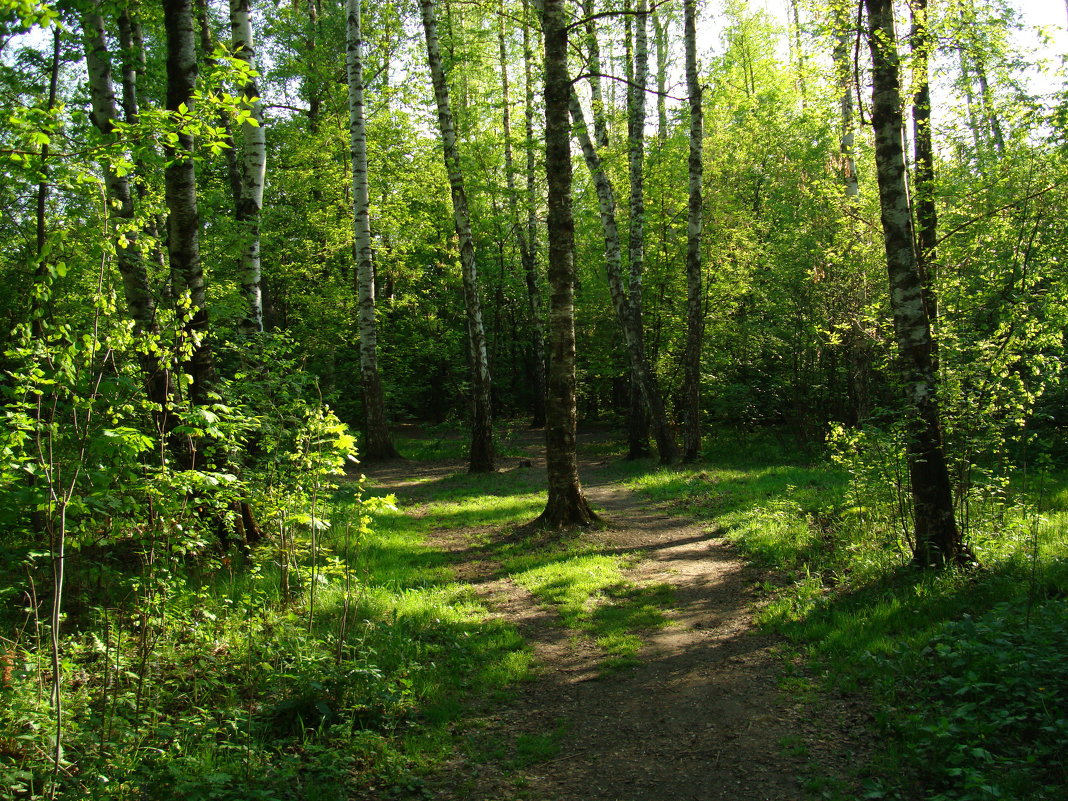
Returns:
(129,247)
(525,234)
(691,392)
(252,167)
(566,504)
(378,442)
(481,458)
(626,294)
(936,537)
(183,222)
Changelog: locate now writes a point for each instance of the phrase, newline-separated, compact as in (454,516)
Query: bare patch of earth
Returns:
(700,718)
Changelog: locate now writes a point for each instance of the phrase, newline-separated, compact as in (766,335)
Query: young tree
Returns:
(936,537)
(691,391)
(481,458)
(378,442)
(566,504)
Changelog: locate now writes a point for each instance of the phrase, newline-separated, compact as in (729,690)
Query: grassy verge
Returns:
(965,668)
(321,667)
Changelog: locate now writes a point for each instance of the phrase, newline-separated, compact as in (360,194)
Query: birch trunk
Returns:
(482,457)
(40,272)
(660,30)
(642,379)
(566,504)
(691,392)
(937,540)
(134,66)
(525,242)
(593,50)
(618,289)
(183,242)
(923,148)
(252,169)
(843,67)
(378,442)
(129,255)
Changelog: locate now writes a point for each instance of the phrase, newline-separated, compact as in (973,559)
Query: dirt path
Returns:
(699,718)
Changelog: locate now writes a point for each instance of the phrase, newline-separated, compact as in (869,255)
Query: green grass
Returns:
(840,588)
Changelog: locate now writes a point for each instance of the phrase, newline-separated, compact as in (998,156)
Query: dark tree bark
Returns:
(937,539)
(691,391)
(566,505)
(183,243)
(482,456)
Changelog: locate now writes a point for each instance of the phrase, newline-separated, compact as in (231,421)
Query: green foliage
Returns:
(987,703)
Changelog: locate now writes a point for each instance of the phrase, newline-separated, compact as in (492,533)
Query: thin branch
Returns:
(578,78)
(1030,196)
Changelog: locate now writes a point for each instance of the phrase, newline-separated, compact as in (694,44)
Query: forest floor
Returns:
(707,708)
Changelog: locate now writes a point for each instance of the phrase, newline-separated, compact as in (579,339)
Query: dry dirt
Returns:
(700,718)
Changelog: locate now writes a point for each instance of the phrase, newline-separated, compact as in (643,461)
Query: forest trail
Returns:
(699,717)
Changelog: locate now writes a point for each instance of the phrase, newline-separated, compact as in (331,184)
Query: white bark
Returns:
(252,167)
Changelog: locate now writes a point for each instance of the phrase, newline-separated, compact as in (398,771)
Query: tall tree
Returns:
(691,392)
(252,167)
(936,537)
(566,504)
(378,442)
(37,321)
(481,457)
(625,290)
(523,233)
(843,71)
(637,73)
(129,250)
(183,240)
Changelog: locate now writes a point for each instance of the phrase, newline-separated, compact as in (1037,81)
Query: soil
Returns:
(701,717)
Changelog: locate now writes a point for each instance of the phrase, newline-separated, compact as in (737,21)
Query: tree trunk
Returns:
(128,255)
(378,442)
(482,457)
(593,50)
(183,244)
(660,29)
(691,392)
(843,68)
(526,244)
(923,144)
(134,66)
(937,540)
(37,312)
(533,291)
(646,378)
(566,503)
(665,440)
(252,166)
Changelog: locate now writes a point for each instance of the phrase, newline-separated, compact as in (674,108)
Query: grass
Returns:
(919,644)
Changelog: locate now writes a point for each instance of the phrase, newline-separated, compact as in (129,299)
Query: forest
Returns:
(533,399)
